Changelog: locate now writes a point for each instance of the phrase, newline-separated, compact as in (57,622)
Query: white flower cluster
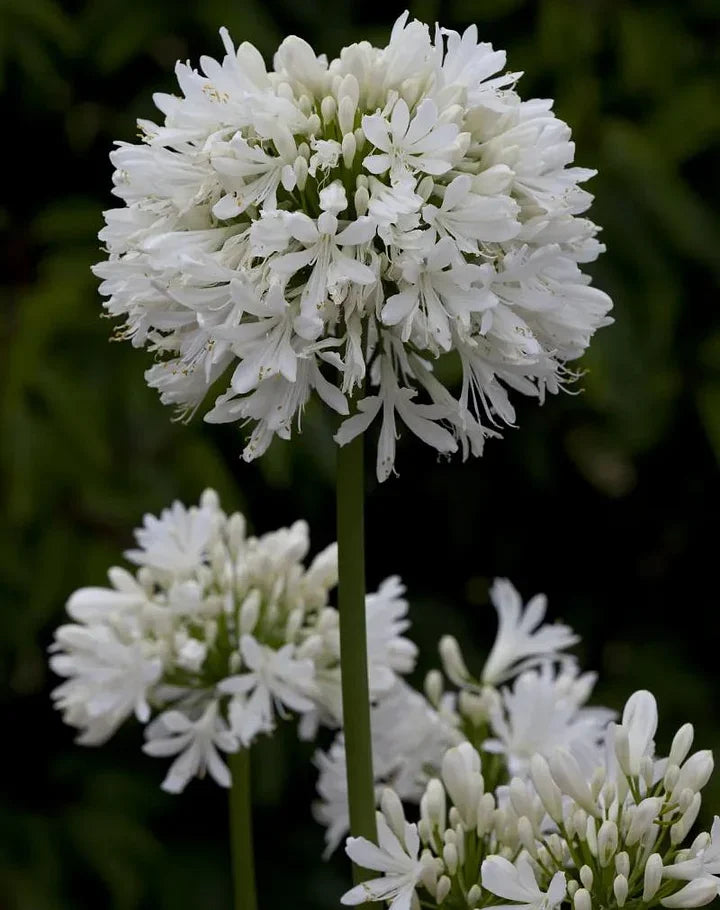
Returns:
(335,227)
(220,633)
(543,709)
(610,838)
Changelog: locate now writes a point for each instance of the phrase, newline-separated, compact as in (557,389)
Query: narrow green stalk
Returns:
(353,642)
(241,838)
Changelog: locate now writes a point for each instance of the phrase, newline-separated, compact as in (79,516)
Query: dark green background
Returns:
(606,500)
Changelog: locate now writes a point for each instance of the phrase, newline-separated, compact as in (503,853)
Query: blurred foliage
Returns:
(604,500)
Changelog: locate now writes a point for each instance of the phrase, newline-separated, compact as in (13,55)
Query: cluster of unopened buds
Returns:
(614,835)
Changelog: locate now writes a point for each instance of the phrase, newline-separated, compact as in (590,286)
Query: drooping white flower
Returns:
(517,883)
(282,230)
(522,639)
(195,743)
(396,859)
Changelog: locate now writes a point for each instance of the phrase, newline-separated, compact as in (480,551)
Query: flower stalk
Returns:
(353,642)
(241,837)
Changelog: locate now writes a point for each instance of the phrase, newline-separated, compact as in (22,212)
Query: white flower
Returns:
(276,681)
(542,711)
(517,883)
(398,861)
(701,862)
(521,640)
(197,742)
(330,225)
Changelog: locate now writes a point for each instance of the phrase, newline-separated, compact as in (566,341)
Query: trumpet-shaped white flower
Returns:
(283,229)
(397,860)
(522,639)
(222,634)
(517,883)
(197,742)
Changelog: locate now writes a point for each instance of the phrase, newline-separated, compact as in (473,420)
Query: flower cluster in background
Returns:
(613,835)
(335,227)
(217,634)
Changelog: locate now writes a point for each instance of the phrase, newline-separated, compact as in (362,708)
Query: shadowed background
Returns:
(606,500)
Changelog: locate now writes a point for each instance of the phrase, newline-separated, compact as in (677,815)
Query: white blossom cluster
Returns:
(335,227)
(610,837)
(217,634)
(544,707)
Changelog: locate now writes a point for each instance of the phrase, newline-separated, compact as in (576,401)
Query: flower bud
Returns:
(472,707)
(300,166)
(581,899)
(425,187)
(293,624)
(485,814)
(622,748)
(546,787)
(474,896)
(443,888)
(695,773)
(346,115)
(433,680)
(452,661)
(359,139)
(597,781)
(453,817)
(314,124)
(429,873)
(620,890)
(250,612)
(304,151)
(434,804)
(586,877)
(519,797)
(652,878)
(680,830)
(607,842)
(572,887)
(568,776)
(328,108)
(645,814)
(526,835)
(362,199)
(672,775)
(393,811)
(591,836)
(681,744)
(647,770)
(450,858)
(580,823)
(685,799)
(349,148)
(622,864)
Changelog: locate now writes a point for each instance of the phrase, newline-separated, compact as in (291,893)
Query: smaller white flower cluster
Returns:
(218,633)
(610,837)
(544,708)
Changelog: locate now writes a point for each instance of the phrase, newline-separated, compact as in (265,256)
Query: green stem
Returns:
(353,642)
(241,839)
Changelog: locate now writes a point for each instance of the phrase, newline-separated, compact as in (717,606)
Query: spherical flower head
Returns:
(218,634)
(332,229)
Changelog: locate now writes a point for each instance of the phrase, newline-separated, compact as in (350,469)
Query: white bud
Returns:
(526,835)
(607,842)
(485,814)
(425,830)
(443,888)
(250,612)
(300,167)
(653,877)
(472,707)
(452,660)
(429,870)
(450,858)
(434,680)
(680,830)
(293,624)
(519,797)
(359,139)
(572,887)
(474,896)
(684,800)
(597,781)
(453,817)
(314,124)
(672,775)
(580,823)
(620,890)
(305,103)
(645,814)
(622,864)
(696,893)
(622,748)
(695,773)
(546,787)
(647,770)
(433,804)
(581,899)
(591,835)
(234,662)
(328,108)
(304,151)
(349,148)
(586,877)
(362,199)
(393,811)
(681,744)
(568,776)
(284,90)
(346,114)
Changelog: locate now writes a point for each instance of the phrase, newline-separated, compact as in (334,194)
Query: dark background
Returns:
(606,500)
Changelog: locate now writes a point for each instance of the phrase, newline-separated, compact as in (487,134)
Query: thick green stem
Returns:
(353,642)
(241,838)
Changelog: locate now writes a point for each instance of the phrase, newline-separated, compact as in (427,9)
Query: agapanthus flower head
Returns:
(332,228)
(218,634)
(593,837)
